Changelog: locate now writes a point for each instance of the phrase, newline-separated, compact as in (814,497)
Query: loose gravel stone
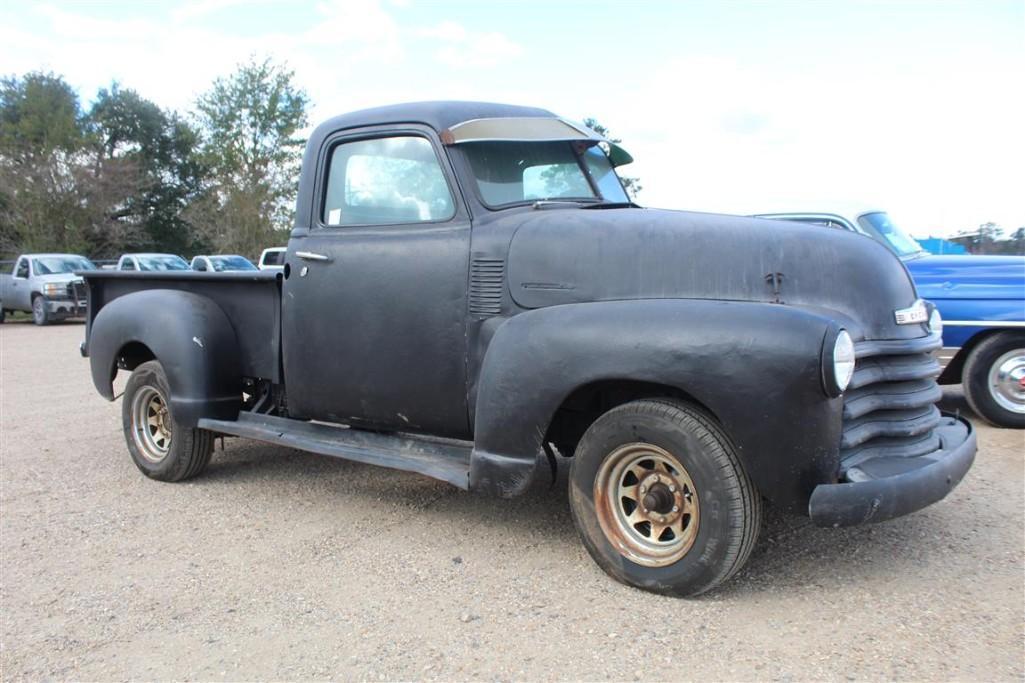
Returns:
(276,564)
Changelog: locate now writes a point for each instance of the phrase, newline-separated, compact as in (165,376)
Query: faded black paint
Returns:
(383,334)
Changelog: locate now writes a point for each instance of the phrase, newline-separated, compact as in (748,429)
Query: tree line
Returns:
(125,175)
(122,174)
(989,239)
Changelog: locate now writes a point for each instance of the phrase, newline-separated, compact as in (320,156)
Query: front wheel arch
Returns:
(586,403)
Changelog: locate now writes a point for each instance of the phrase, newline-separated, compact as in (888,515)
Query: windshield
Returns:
(881,228)
(223,263)
(53,265)
(516,172)
(162,263)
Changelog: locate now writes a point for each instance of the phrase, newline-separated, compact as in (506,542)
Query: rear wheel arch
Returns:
(130,356)
(190,335)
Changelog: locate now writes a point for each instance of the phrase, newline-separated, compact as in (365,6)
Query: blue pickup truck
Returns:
(981,299)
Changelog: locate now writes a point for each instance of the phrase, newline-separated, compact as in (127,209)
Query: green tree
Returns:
(250,124)
(41,139)
(153,156)
(631,184)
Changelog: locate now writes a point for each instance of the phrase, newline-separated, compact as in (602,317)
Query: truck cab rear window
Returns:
(385,181)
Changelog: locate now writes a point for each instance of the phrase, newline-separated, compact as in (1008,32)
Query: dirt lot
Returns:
(277,564)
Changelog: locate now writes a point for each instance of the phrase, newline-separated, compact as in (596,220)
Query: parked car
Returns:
(152,262)
(46,286)
(272,259)
(981,299)
(469,290)
(221,263)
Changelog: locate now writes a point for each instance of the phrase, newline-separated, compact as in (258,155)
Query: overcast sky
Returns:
(914,107)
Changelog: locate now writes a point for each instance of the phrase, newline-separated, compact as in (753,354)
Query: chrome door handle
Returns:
(310,256)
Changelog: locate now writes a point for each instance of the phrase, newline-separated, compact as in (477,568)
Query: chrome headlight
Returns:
(843,361)
(936,322)
(55,289)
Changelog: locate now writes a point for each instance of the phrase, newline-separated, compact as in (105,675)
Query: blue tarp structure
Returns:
(938,245)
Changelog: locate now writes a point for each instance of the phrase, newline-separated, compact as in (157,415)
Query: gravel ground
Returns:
(277,564)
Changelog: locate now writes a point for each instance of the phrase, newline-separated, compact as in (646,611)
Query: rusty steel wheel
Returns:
(151,424)
(647,504)
(660,498)
(160,446)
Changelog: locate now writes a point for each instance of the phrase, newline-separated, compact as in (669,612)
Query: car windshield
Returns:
(223,263)
(510,172)
(168,262)
(881,228)
(53,265)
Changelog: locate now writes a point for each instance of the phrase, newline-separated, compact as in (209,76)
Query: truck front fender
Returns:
(757,367)
(188,334)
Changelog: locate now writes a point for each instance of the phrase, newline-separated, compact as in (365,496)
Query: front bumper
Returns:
(67,308)
(885,487)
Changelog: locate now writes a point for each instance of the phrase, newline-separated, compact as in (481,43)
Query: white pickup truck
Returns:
(46,286)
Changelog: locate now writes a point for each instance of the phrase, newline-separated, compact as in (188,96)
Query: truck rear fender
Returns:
(756,367)
(188,334)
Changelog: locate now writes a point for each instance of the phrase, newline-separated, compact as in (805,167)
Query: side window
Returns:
(199,264)
(128,264)
(22,270)
(386,180)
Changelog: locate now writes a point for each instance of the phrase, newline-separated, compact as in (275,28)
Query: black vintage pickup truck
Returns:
(468,291)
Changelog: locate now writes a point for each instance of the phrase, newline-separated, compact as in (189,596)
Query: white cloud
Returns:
(937,138)
(462,49)
(196,9)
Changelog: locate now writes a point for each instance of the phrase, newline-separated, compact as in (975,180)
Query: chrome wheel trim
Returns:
(151,424)
(647,504)
(1007,381)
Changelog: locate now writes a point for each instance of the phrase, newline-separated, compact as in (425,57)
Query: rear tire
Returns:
(40,312)
(993,376)
(695,521)
(161,448)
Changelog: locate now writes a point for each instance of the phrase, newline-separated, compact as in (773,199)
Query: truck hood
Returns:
(969,277)
(561,256)
(58,277)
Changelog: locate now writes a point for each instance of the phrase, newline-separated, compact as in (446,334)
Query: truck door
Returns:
(374,300)
(21,289)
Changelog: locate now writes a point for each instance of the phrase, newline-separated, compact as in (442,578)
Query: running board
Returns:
(447,460)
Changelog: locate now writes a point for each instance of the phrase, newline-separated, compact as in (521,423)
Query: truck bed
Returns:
(251,300)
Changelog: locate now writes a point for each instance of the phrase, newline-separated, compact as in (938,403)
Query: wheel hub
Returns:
(1007,381)
(661,498)
(647,504)
(151,424)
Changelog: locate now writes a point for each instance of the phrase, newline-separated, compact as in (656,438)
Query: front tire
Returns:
(661,500)
(161,448)
(994,379)
(40,312)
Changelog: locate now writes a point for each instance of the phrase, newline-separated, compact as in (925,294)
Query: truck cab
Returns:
(468,292)
(151,262)
(221,263)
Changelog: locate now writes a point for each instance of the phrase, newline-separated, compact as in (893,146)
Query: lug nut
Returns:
(676,508)
(672,488)
(644,489)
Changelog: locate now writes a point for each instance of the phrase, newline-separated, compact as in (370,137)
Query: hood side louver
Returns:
(487,280)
